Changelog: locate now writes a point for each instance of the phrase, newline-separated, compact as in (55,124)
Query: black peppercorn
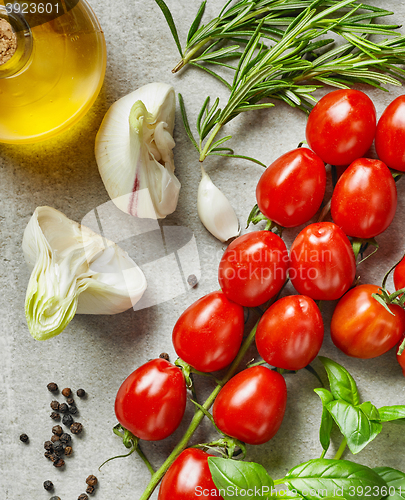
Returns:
(47,454)
(76,428)
(67,392)
(48,445)
(52,387)
(55,405)
(58,447)
(54,498)
(81,393)
(55,438)
(24,438)
(68,451)
(165,356)
(83,496)
(57,429)
(59,463)
(48,485)
(70,401)
(91,480)
(55,416)
(63,408)
(65,438)
(73,409)
(90,490)
(192,280)
(67,420)
(54,457)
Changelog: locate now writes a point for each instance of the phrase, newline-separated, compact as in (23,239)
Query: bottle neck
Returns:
(24,44)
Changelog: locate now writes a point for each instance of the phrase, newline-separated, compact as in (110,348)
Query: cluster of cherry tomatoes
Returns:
(321,265)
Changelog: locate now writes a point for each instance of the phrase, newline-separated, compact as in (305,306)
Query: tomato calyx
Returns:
(130,442)
(401,348)
(385,298)
(256,216)
(227,446)
(360,245)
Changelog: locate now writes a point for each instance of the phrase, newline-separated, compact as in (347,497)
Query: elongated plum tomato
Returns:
(209,333)
(341,127)
(150,403)
(322,263)
(188,478)
(292,188)
(401,354)
(250,407)
(390,135)
(253,268)
(365,199)
(399,275)
(290,333)
(363,328)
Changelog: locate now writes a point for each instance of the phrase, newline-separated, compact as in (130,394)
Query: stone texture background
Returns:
(98,352)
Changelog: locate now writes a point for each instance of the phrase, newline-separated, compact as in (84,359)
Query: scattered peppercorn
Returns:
(90,490)
(54,457)
(52,387)
(55,405)
(81,393)
(91,480)
(73,409)
(55,416)
(192,280)
(70,401)
(57,429)
(67,392)
(68,450)
(58,447)
(54,498)
(67,420)
(55,438)
(24,438)
(63,408)
(65,438)
(47,454)
(83,496)
(165,356)
(48,445)
(59,463)
(48,485)
(76,428)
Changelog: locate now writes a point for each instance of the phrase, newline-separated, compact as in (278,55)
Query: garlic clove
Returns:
(134,152)
(215,211)
(74,270)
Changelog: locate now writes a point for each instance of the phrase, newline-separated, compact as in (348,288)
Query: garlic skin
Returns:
(74,270)
(215,211)
(134,154)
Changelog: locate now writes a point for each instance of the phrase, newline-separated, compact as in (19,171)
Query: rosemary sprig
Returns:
(301,60)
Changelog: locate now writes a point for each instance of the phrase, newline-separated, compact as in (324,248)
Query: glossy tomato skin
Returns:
(251,406)
(253,268)
(292,188)
(209,333)
(150,403)
(363,328)
(401,355)
(188,478)
(399,275)
(322,263)
(390,135)
(365,199)
(290,333)
(341,127)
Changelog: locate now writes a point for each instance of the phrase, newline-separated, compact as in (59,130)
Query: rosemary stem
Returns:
(210,140)
(198,416)
(190,54)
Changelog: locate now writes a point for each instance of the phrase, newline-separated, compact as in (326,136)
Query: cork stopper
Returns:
(8,41)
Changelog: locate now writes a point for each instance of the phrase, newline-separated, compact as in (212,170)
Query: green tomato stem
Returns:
(341,449)
(198,416)
(145,460)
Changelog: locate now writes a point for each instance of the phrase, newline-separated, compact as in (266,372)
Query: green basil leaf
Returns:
(240,480)
(354,424)
(342,384)
(390,413)
(370,411)
(395,480)
(326,420)
(322,477)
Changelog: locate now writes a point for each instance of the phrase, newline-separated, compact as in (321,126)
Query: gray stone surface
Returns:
(98,352)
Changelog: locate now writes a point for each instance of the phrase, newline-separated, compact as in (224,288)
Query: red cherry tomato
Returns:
(290,333)
(209,333)
(322,262)
(253,268)
(341,127)
(251,406)
(399,275)
(401,354)
(390,135)
(188,478)
(363,328)
(365,199)
(292,188)
(150,403)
